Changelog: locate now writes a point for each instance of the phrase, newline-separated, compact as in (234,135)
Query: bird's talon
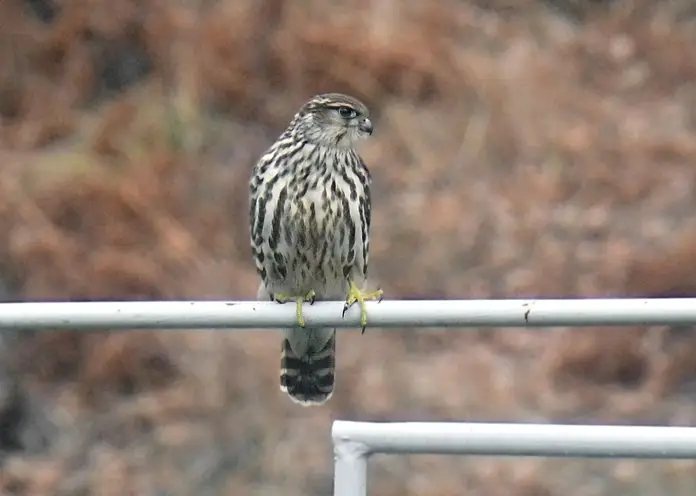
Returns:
(299,300)
(357,296)
(300,316)
(281,298)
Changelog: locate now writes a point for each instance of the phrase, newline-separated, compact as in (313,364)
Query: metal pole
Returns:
(521,439)
(399,313)
(350,468)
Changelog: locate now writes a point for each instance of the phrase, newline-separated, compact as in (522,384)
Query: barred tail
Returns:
(307,364)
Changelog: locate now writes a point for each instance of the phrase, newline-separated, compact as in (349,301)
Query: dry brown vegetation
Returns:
(522,149)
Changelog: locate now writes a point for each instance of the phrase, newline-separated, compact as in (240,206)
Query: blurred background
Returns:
(522,149)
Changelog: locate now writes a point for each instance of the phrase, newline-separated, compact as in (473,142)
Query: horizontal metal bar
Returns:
(388,313)
(556,440)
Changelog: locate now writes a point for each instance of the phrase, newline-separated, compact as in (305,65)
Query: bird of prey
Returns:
(310,231)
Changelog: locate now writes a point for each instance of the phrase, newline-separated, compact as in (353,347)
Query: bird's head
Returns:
(334,120)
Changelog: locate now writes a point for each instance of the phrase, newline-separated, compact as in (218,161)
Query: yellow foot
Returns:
(355,295)
(299,300)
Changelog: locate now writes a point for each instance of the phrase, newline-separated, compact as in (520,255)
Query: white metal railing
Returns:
(402,313)
(354,442)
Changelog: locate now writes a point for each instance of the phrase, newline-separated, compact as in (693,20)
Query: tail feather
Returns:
(307,365)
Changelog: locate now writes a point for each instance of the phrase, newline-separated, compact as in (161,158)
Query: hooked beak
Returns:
(365,126)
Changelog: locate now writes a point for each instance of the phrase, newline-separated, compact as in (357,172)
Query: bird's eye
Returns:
(347,112)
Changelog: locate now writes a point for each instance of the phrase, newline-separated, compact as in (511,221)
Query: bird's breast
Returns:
(315,215)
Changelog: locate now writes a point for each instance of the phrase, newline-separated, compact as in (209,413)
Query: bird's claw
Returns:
(280,297)
(310,298)
(357,296)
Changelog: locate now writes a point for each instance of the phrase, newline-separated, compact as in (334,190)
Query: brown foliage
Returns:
(517,153)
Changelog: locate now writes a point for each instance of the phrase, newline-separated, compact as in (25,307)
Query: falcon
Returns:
(310,232)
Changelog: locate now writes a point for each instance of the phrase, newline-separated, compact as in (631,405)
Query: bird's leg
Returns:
(299,300)
(355,295)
